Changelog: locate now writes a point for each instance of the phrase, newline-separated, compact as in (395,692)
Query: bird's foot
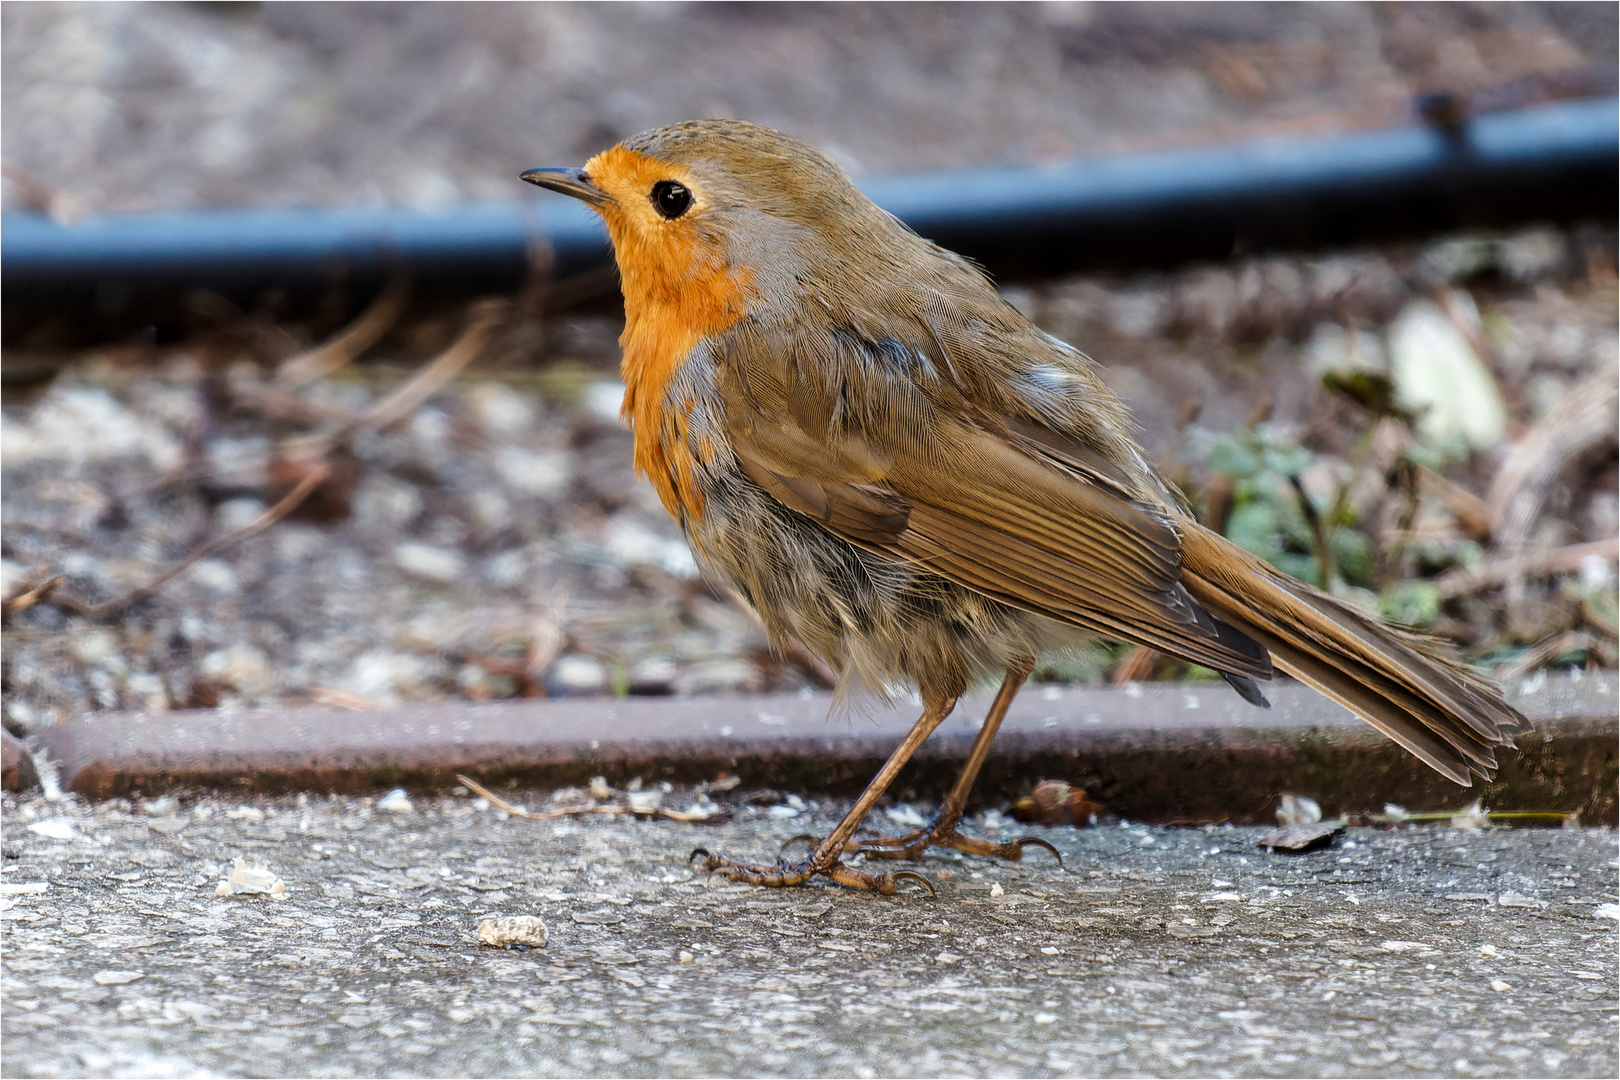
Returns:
(914,843)
(785,873)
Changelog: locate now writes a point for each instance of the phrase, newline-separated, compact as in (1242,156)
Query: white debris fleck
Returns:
(396,802)
(1403,946)
(906,816)
(245,879)
(781,812)
(509,930)
(1392,810)
(1045,1018)
(1606,911)
(1487,950)
(55,828)
(1470,817)
(645,802)
(245,813)
(1499,986)
(1298,810)
(116,978)
(1133,689)
(996,889)
(23,888)
(947,958)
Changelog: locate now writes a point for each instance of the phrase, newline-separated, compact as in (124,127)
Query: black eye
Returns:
(672,199)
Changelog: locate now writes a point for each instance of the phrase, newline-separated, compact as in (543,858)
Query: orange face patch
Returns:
(678,290)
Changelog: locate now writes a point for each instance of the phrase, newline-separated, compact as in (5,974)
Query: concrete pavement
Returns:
(1158,951)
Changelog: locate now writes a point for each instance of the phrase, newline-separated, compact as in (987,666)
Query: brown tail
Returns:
(1445,713)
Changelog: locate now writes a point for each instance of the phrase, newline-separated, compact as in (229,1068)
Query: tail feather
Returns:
(1447,714)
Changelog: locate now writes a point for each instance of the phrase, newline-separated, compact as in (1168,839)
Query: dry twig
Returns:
(406,399)
(30,595)
(287,505)
(1541,652)
(355,339)
(1563,560)
(1581,424)
(716,818)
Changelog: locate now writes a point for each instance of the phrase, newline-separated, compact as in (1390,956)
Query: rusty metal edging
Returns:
(1163,753)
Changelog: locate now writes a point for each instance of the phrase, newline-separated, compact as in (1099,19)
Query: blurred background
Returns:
(384,490)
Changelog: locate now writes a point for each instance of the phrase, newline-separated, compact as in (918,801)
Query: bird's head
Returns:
(696,206)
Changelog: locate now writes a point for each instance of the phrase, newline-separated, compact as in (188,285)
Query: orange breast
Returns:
(678,290)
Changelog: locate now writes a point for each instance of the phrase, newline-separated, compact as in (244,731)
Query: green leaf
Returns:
(1411,603)
(1352,555)
(1286,458)
(1253,526)
(1232,456)
(1304,567)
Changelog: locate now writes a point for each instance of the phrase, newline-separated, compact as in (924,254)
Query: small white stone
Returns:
(438,565)
(499,409)
(55,828)
(116,978)
(579,674)
(396,802)
(604,399)
(538,475)
(509,930)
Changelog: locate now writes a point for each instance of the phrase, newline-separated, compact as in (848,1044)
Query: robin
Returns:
(899,470)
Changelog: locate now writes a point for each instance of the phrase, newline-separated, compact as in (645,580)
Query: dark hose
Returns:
(1555,162)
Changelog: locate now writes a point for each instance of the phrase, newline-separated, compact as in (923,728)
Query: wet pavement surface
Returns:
(1429,950)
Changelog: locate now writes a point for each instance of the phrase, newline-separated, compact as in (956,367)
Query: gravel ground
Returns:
(1159,951)
(495,543)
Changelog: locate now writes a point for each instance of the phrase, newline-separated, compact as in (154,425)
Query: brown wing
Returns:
(999,513)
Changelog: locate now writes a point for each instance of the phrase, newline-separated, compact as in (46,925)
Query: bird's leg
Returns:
(824,859)
(942,831)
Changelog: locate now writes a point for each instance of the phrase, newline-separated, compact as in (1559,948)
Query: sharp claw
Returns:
(790,841)
(911,875)
(705,852)
(1025,841)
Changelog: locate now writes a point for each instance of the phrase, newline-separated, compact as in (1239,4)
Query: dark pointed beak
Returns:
(573,182)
